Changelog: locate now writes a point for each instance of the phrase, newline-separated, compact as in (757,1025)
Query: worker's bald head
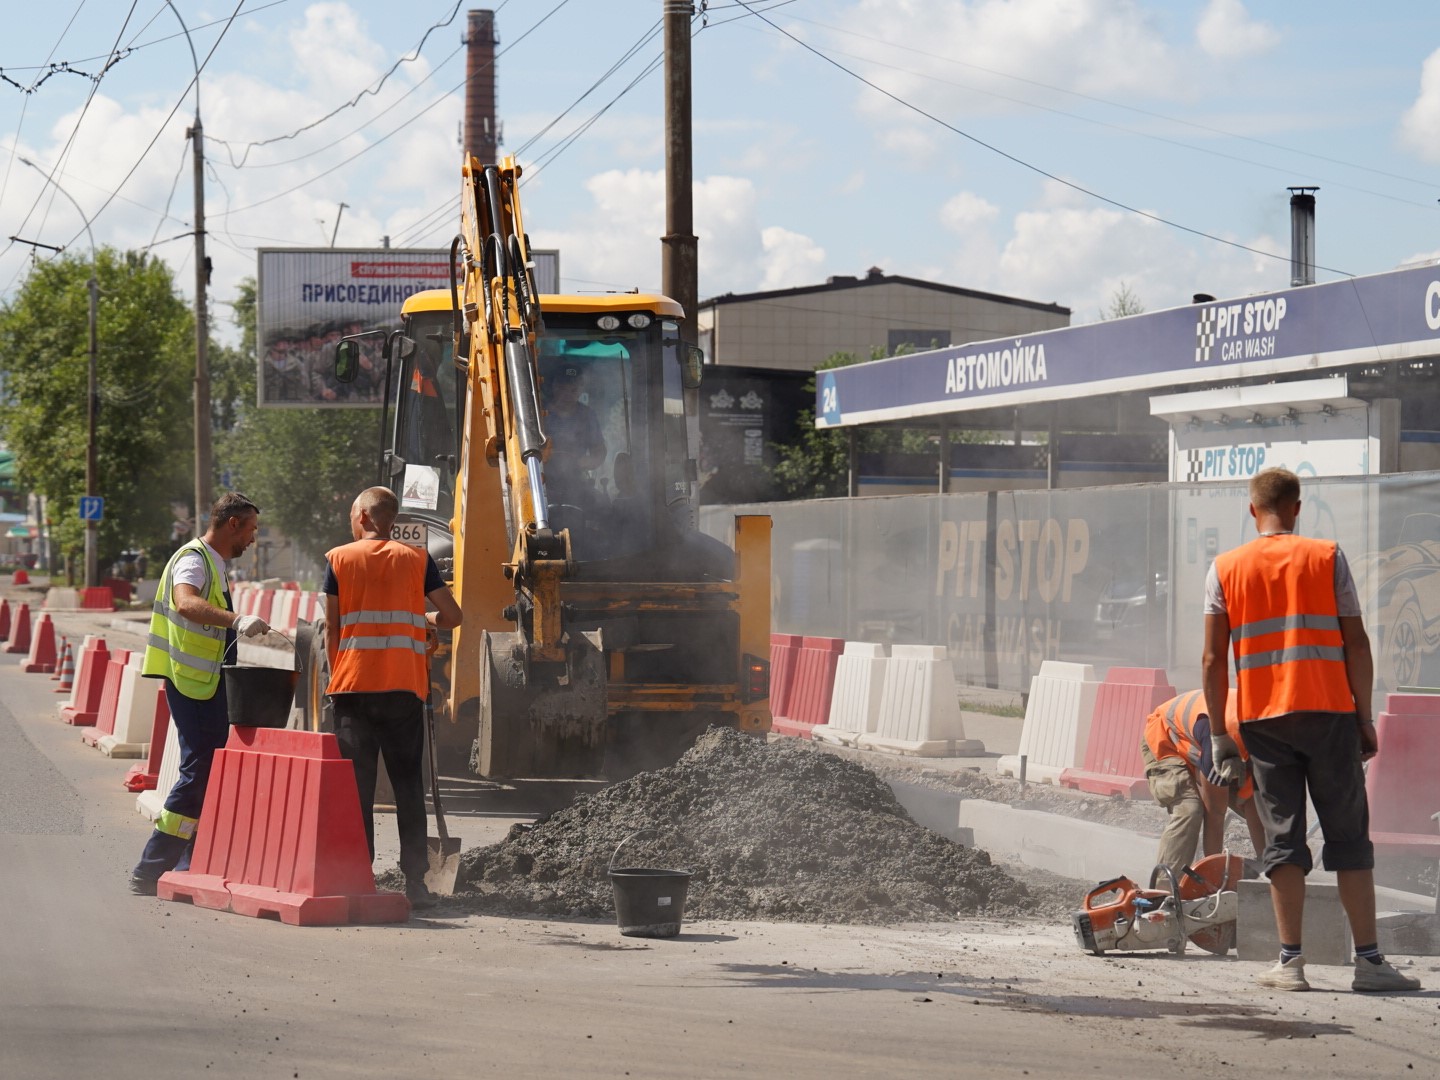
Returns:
(380,505)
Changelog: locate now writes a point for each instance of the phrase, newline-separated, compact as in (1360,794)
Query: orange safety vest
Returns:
(381,646)
(423,385)
(1284,627)
(1170,732)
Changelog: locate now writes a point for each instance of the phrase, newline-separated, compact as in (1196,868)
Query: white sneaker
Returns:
(1379,977)
(1285,975)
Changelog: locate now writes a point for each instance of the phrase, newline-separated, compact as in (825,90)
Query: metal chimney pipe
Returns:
(1302,235)
(482,127)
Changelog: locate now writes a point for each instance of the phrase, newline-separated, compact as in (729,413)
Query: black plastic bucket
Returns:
(648,902)
(259,696)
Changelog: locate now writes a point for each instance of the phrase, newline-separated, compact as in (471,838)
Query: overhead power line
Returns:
(1072,185)
(369,91)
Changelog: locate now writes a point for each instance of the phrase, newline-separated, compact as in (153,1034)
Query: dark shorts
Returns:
(1318,753)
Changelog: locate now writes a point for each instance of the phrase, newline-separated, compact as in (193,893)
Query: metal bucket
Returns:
(648,902)
(258,696)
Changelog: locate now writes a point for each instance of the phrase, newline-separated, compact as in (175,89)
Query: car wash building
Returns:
(1084,478)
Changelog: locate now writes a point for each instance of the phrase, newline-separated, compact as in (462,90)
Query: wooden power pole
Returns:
(679,265)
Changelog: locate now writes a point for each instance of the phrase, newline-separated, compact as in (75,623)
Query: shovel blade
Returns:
(444,864)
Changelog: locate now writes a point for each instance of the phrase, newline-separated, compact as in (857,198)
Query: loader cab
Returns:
(614,419)
(613,378)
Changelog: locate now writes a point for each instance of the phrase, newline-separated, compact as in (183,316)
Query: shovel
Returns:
(443,851)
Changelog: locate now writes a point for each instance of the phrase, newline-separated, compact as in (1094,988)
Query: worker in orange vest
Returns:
(376,589)
(1176,750)
(1286,607)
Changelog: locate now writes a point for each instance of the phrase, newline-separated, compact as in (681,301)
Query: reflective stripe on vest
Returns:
(1284,627)
(1180,718)
(172,824)
(380,586)
(187,653)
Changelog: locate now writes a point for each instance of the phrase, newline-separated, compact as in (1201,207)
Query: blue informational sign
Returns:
(92,508)
(1383,318)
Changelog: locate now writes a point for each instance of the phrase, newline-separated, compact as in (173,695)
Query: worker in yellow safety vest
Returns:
(376,590)
(192,625)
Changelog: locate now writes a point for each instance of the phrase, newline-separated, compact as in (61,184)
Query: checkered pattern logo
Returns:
(1193,461)
(1204,335)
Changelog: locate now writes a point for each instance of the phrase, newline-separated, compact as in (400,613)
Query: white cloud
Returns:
(615,242)
(1420,125)
(967,211)
(1068,250)
(790,259)
(1226,30)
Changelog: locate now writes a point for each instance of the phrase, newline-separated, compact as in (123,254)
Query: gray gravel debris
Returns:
(773,831)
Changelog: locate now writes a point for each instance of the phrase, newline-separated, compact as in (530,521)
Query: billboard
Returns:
(308,299)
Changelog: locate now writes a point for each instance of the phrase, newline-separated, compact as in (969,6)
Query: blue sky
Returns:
(1198,113)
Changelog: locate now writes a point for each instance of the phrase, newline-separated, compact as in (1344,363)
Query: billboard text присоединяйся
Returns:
(308,299)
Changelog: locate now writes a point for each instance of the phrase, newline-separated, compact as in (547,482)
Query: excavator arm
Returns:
(498,318)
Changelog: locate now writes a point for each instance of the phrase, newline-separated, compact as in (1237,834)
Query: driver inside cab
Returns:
(576,442)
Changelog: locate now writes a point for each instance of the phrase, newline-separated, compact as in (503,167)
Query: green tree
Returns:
(303,467)
(143,425)
(1123,302)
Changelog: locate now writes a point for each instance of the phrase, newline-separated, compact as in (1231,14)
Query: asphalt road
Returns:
(95,982)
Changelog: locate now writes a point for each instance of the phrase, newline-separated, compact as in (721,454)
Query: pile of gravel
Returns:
(771,831)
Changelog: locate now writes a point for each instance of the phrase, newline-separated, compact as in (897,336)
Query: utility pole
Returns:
(92,456)
(202,334)
(679,264)
(338,215)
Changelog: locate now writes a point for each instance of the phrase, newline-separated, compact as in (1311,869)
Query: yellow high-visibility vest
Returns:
(189,654)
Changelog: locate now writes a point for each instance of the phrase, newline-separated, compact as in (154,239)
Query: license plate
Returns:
(414,533)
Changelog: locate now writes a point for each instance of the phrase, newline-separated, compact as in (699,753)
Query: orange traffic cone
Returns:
(4,620)
(64,645)
(66,675)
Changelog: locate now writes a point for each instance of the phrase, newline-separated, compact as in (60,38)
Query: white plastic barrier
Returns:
(134,712)
(855,699)
(920,707)
(285,611)
(148,804)
(1057,722)
(62,600)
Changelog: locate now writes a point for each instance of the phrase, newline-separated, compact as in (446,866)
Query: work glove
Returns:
(251,626)
(1226,769)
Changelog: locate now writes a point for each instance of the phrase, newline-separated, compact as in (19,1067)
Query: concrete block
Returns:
(1325,930)
(1409,934)
(1070,847)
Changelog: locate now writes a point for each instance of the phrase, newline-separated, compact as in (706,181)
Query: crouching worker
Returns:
(376,590)
(1183,779)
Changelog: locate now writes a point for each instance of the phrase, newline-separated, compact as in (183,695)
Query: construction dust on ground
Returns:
(774,831)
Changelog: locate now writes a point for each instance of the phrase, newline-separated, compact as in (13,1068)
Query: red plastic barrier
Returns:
(145,776)
(20,631)
(1112,755)
(119,587)
(281,835)
(1400,782)
(84,705)
(784,651)
(41,658)
(810,688)
(20,577)
(4,620)
(98,598)
(109,698)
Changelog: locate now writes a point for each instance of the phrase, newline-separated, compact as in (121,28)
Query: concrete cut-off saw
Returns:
(1198,905)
